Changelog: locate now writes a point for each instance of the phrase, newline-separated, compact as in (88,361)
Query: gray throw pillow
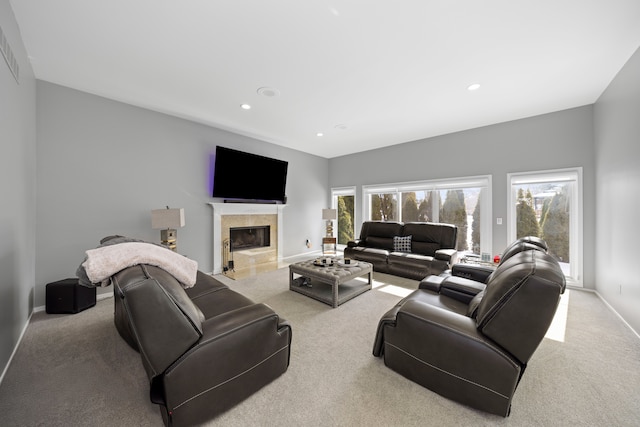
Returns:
(402,243)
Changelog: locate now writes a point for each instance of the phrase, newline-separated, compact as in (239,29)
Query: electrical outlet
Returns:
(499,221)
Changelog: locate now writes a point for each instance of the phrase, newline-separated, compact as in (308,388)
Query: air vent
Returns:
(7,53)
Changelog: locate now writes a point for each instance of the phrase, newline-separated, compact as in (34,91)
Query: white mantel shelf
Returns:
(220,209)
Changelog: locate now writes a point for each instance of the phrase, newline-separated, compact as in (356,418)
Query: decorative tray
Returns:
(319,263)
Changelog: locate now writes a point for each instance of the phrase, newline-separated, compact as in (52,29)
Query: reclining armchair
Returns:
(473,345)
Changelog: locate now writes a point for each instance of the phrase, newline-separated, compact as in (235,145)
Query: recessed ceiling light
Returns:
(474,86)
(245,106)
(269,92)
(319,134)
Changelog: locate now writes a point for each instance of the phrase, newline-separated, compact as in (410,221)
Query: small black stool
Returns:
(68,296)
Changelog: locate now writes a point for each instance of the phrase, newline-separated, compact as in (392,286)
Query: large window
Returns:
(343,199)
(465,202)
(548,204)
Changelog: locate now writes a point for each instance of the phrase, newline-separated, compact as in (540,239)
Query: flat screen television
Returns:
(240,176)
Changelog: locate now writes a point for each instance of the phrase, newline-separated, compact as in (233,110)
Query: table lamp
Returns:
(329,215)
(167,220)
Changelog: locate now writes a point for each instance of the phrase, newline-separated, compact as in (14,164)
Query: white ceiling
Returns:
(365,73)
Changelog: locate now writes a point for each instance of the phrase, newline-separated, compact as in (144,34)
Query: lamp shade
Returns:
(329,214)
(167,218)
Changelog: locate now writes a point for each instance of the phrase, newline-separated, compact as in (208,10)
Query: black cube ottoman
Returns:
(68,296)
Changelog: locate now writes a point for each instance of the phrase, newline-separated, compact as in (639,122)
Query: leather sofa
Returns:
(204,348)
(432,247)
(472,344)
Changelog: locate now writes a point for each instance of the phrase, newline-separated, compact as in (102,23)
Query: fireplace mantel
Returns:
(220,209)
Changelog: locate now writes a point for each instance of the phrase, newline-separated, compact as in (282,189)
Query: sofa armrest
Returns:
(448,255)
(233,347)
(431,283)
(479,273)
(244,317)
(353,243)
(460,288)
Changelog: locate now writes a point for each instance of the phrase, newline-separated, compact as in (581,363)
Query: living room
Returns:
(78,167)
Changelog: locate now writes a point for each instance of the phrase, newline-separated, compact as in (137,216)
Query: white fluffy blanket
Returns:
(103,262)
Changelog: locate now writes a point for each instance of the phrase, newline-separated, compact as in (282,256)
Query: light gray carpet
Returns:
(74,370)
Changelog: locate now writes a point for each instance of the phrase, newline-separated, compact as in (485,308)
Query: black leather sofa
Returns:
(471,341)
(205,348)
(432,247)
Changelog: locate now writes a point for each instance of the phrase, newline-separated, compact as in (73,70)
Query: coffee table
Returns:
(332,284)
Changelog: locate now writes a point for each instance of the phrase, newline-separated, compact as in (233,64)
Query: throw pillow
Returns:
(402,243)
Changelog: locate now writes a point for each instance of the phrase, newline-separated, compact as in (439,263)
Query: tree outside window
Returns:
(346,214)
(384,207)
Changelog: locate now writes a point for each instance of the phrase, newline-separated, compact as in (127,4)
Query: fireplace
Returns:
(227,216)
(249,237)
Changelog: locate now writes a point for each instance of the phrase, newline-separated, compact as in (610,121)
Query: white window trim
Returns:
(575,276)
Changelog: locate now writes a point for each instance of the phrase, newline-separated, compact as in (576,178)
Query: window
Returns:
(465,202)
(548,204)
(343,199)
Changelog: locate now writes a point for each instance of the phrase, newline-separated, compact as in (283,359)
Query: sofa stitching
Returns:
(449,373)
(195,396)
(461,333)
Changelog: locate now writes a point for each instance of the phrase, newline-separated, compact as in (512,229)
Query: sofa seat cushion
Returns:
(415,266)
(409,258)
(205,283)
(220,301)
(373,255)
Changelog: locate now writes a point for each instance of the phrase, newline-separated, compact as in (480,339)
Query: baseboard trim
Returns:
(616,313)
(15,348)
(26,326)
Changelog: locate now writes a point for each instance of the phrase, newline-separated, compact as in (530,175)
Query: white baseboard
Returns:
(616,313)
(26,325)
(15,348)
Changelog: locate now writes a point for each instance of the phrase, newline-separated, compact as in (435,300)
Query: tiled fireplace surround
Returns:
(227,215)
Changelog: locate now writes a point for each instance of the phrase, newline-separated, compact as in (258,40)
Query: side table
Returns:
(332,244)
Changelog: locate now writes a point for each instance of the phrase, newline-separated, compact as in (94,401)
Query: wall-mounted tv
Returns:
(240,176)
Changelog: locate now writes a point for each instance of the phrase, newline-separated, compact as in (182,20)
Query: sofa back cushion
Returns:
(520,301)
(379,234)
(162,318)
(428,237)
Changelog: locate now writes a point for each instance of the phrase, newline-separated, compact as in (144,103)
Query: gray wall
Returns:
(617,130)
(17,190)
(551,141)
(104,165)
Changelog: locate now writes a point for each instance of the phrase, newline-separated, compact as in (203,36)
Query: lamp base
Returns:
(168,238)
(329,228)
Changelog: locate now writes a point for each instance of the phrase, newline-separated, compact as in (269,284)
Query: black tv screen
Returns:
(244,176)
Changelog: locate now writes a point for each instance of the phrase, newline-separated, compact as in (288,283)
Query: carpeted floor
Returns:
(74,370)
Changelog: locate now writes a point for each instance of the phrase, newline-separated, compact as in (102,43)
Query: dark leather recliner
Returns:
(474,348)
(469,279)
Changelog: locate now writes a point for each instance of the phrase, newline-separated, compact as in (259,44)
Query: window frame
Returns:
(478,181)
(573,175)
